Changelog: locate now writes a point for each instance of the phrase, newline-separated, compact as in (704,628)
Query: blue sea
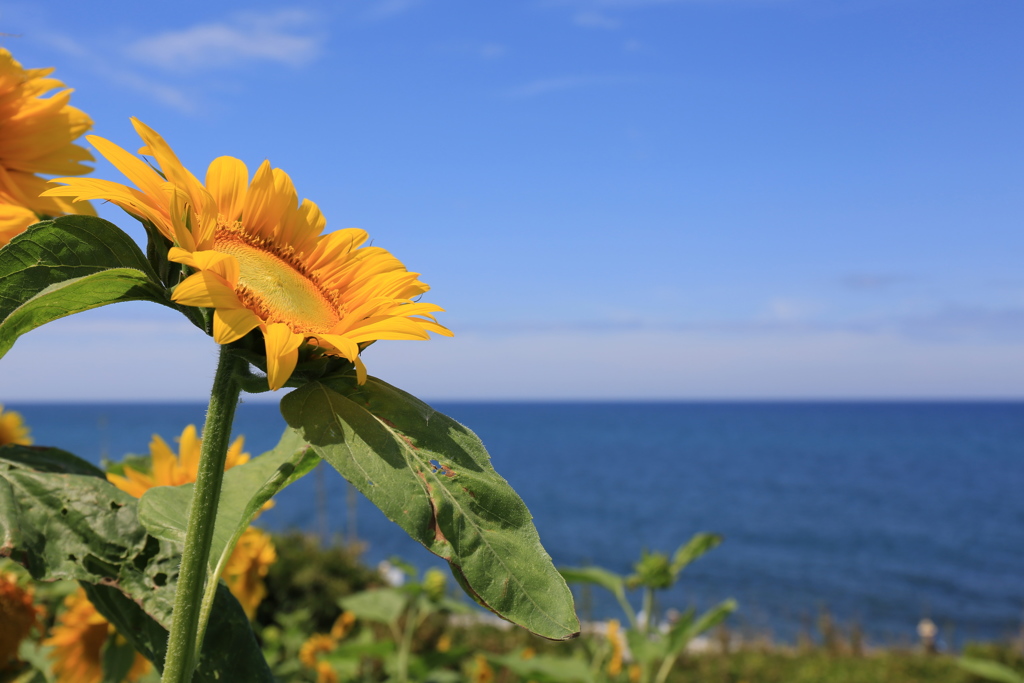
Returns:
(883,513)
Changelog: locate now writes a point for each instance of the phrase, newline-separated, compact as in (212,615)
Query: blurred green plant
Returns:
(653,650)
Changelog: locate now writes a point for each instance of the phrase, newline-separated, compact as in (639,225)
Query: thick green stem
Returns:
(182,648)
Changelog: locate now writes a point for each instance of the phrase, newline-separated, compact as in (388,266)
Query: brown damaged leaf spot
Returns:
(442,469)
(391,425)
(438,534)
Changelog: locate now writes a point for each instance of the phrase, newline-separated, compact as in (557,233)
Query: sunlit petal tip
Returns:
(282,353)
(232,324)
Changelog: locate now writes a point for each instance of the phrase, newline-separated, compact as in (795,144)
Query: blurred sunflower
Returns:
(247,568)
(260,259)
(13,429)
(18,615)
(253,554)
(309,654)
(168,469)
(480,670)
(36,136)
(77,640)
(614,635)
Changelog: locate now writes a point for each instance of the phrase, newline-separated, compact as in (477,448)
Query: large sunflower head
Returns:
(37,135)
(259,258)
(18,615)
(168,469)
(78,638)
(13,429)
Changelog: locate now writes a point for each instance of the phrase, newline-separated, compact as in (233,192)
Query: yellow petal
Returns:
(224,265)
(189,447)
(282,353)
(134,168)
(227,179)
(163,461)
(345,346)
(206,290)
(233,324)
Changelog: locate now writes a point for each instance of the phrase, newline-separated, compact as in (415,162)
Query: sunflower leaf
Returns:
(73,524)
(164,510)
(68,265)
(433,477)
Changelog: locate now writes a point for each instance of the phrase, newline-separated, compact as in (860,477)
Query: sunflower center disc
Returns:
(278,291)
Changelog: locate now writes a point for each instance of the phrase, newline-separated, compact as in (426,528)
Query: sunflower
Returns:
(36,136)
(78,639)
(480,670)
(309,654)
(13,429)
(248,566)
(260,258)
(18,614)
(254,552)
(169,469)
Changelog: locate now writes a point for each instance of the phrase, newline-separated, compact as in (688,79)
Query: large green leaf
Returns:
(163,511)
(433,477)
(68,265)
(70,523)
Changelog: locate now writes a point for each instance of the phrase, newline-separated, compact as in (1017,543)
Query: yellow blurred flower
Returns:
(248,566)
(634,673)
(444,643)
(253,554)
(13,429)
(168,469)
(77,640)
(18,615)
(614,634)
(259,258)
(309,655)
(481,671)
(37,135)
(343,625)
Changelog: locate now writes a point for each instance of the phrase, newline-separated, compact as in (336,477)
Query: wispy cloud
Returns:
(492,50)
(286,37)
(544,86)
(872,281)
(386,9)
(113,71)
(592,19)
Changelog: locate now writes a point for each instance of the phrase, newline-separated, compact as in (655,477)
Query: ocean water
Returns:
(883,513)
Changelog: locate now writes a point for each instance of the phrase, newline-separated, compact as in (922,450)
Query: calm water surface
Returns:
(883,512)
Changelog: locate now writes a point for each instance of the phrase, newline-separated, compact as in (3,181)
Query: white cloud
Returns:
(386,9)
(543,86)
(591,19)
(492,50)
(113,71)
(286,37)
(160,359)
(698,365)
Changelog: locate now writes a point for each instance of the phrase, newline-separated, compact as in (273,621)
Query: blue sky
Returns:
(611,198)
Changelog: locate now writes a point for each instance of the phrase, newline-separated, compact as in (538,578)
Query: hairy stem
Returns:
(182,645)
